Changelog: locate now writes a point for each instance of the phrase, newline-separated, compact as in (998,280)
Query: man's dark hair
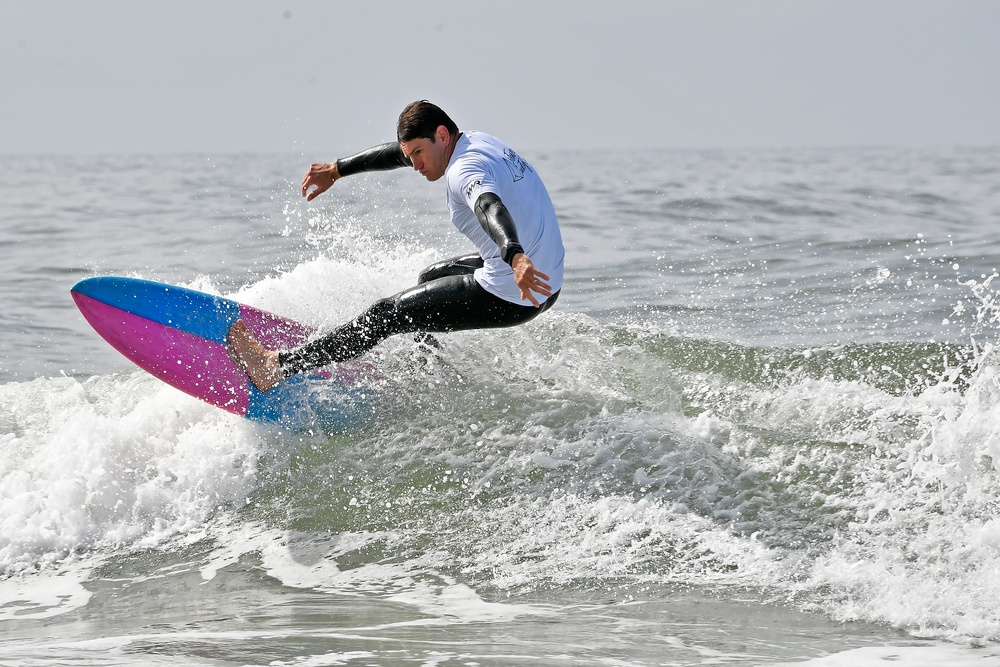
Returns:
(420,120)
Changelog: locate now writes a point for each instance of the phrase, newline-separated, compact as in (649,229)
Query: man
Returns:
(495,199)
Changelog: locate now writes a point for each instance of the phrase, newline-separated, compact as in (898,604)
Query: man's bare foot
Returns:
(260,363)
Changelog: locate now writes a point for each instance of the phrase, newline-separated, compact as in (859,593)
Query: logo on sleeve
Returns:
(517,164)
(472,189)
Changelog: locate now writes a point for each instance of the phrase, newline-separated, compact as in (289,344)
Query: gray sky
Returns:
(319,78)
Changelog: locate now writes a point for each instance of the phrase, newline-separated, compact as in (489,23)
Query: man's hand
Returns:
(322,176)
(528,279)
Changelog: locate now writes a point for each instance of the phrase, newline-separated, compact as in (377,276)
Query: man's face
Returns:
(430,158)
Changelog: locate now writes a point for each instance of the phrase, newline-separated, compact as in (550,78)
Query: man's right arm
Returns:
(377,158)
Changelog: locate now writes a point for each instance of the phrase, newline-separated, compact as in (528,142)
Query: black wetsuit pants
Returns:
(446,298)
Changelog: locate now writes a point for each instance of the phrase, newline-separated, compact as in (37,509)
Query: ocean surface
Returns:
(761,426)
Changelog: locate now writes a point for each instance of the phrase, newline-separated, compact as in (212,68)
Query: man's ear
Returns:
(442,133)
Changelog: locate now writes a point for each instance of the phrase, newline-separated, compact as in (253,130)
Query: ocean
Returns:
(761,426)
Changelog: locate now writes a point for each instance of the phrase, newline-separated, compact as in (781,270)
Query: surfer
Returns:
(495,198)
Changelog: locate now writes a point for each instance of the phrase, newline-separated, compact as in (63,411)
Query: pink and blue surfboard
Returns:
(179,335)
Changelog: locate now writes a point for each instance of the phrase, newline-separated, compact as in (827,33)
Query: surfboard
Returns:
(179,335)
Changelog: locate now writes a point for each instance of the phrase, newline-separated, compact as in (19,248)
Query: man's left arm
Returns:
(499,224)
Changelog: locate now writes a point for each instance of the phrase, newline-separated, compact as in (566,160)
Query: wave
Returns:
(858,480)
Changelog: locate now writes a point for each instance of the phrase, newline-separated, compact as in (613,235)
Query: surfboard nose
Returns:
(88,287)
(202,314)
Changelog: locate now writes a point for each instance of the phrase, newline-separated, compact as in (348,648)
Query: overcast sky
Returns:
(321,77)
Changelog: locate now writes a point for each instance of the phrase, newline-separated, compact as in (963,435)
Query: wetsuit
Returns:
(473,291)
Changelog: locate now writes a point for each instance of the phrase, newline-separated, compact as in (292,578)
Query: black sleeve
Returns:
(498,223)
(377,158)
